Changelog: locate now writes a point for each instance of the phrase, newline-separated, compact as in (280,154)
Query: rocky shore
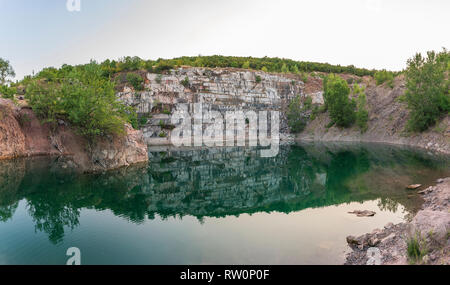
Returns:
(428,235)
(23,135)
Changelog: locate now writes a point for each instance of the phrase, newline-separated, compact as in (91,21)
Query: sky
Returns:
(366,33)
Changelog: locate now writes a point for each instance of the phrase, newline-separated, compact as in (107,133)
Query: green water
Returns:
(210,206)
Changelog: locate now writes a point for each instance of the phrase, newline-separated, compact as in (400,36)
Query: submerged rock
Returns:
(364,213)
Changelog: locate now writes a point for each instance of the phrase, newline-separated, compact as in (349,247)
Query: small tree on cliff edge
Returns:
(427,85)
(6,71)
(336,96)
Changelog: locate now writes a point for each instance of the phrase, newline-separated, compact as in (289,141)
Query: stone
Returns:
(389,225)
(351,240)
(413,186)
(440,180)
(364,213)
(373,241)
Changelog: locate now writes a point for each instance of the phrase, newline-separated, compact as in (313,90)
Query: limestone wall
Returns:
(217,89)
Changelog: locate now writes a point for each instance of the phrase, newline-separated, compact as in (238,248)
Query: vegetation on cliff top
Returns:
(82,96)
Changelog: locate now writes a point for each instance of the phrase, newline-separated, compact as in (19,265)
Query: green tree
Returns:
(246,65)
(284,68)
(427,89)
(297,114)
(264,69)
(384,76)
(136,81)
(6,71)
(336,96)
(362,115)
(295,70)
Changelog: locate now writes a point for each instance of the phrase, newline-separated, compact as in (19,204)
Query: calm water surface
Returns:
(211,206)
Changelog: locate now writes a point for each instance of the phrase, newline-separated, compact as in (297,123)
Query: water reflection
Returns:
(216,183)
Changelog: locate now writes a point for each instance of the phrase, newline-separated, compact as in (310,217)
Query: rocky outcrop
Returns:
(229,89)
(218,89)
(430,227)
(23,135)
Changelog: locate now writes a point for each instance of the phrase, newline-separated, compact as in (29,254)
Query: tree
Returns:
(427,89)
(297,114)
(362,115)
(383,76)
(340,107)
(284,68)
(246,65)
(6,71)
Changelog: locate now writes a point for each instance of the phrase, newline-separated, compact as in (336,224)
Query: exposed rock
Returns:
(364,213)
(413,186)
(22,135)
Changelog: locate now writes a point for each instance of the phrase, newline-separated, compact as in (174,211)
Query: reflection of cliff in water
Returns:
(215,182)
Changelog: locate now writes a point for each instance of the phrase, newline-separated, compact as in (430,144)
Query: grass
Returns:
(416,248)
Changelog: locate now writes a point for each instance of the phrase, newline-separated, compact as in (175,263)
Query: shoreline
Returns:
(428,232)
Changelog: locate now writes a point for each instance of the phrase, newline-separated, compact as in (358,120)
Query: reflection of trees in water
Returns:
(176,185)
(387,204)
(7,211)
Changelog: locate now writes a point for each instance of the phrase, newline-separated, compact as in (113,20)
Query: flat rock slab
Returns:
(413,186)
(365,213)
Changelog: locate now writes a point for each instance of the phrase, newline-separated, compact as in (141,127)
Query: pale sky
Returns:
(367,33)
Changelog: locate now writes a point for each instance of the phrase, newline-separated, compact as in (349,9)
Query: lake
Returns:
(210,206)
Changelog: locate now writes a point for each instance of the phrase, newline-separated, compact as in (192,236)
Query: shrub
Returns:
(296,115)
(304,77)
(264,69)
(136,81)
(383,76)
(246,65)
(362,115)
(185,82)
(258,79)
(84,98)
(158,79)
(340,107)
(427,89)
(7,92)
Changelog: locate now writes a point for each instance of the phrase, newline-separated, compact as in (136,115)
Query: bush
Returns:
(304,77)
(84,98)
(185,82)
(427,89)
(296,115)
(258,79)
(340,107)
(7,92)
(383,76)
(136,81)
(362,115)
